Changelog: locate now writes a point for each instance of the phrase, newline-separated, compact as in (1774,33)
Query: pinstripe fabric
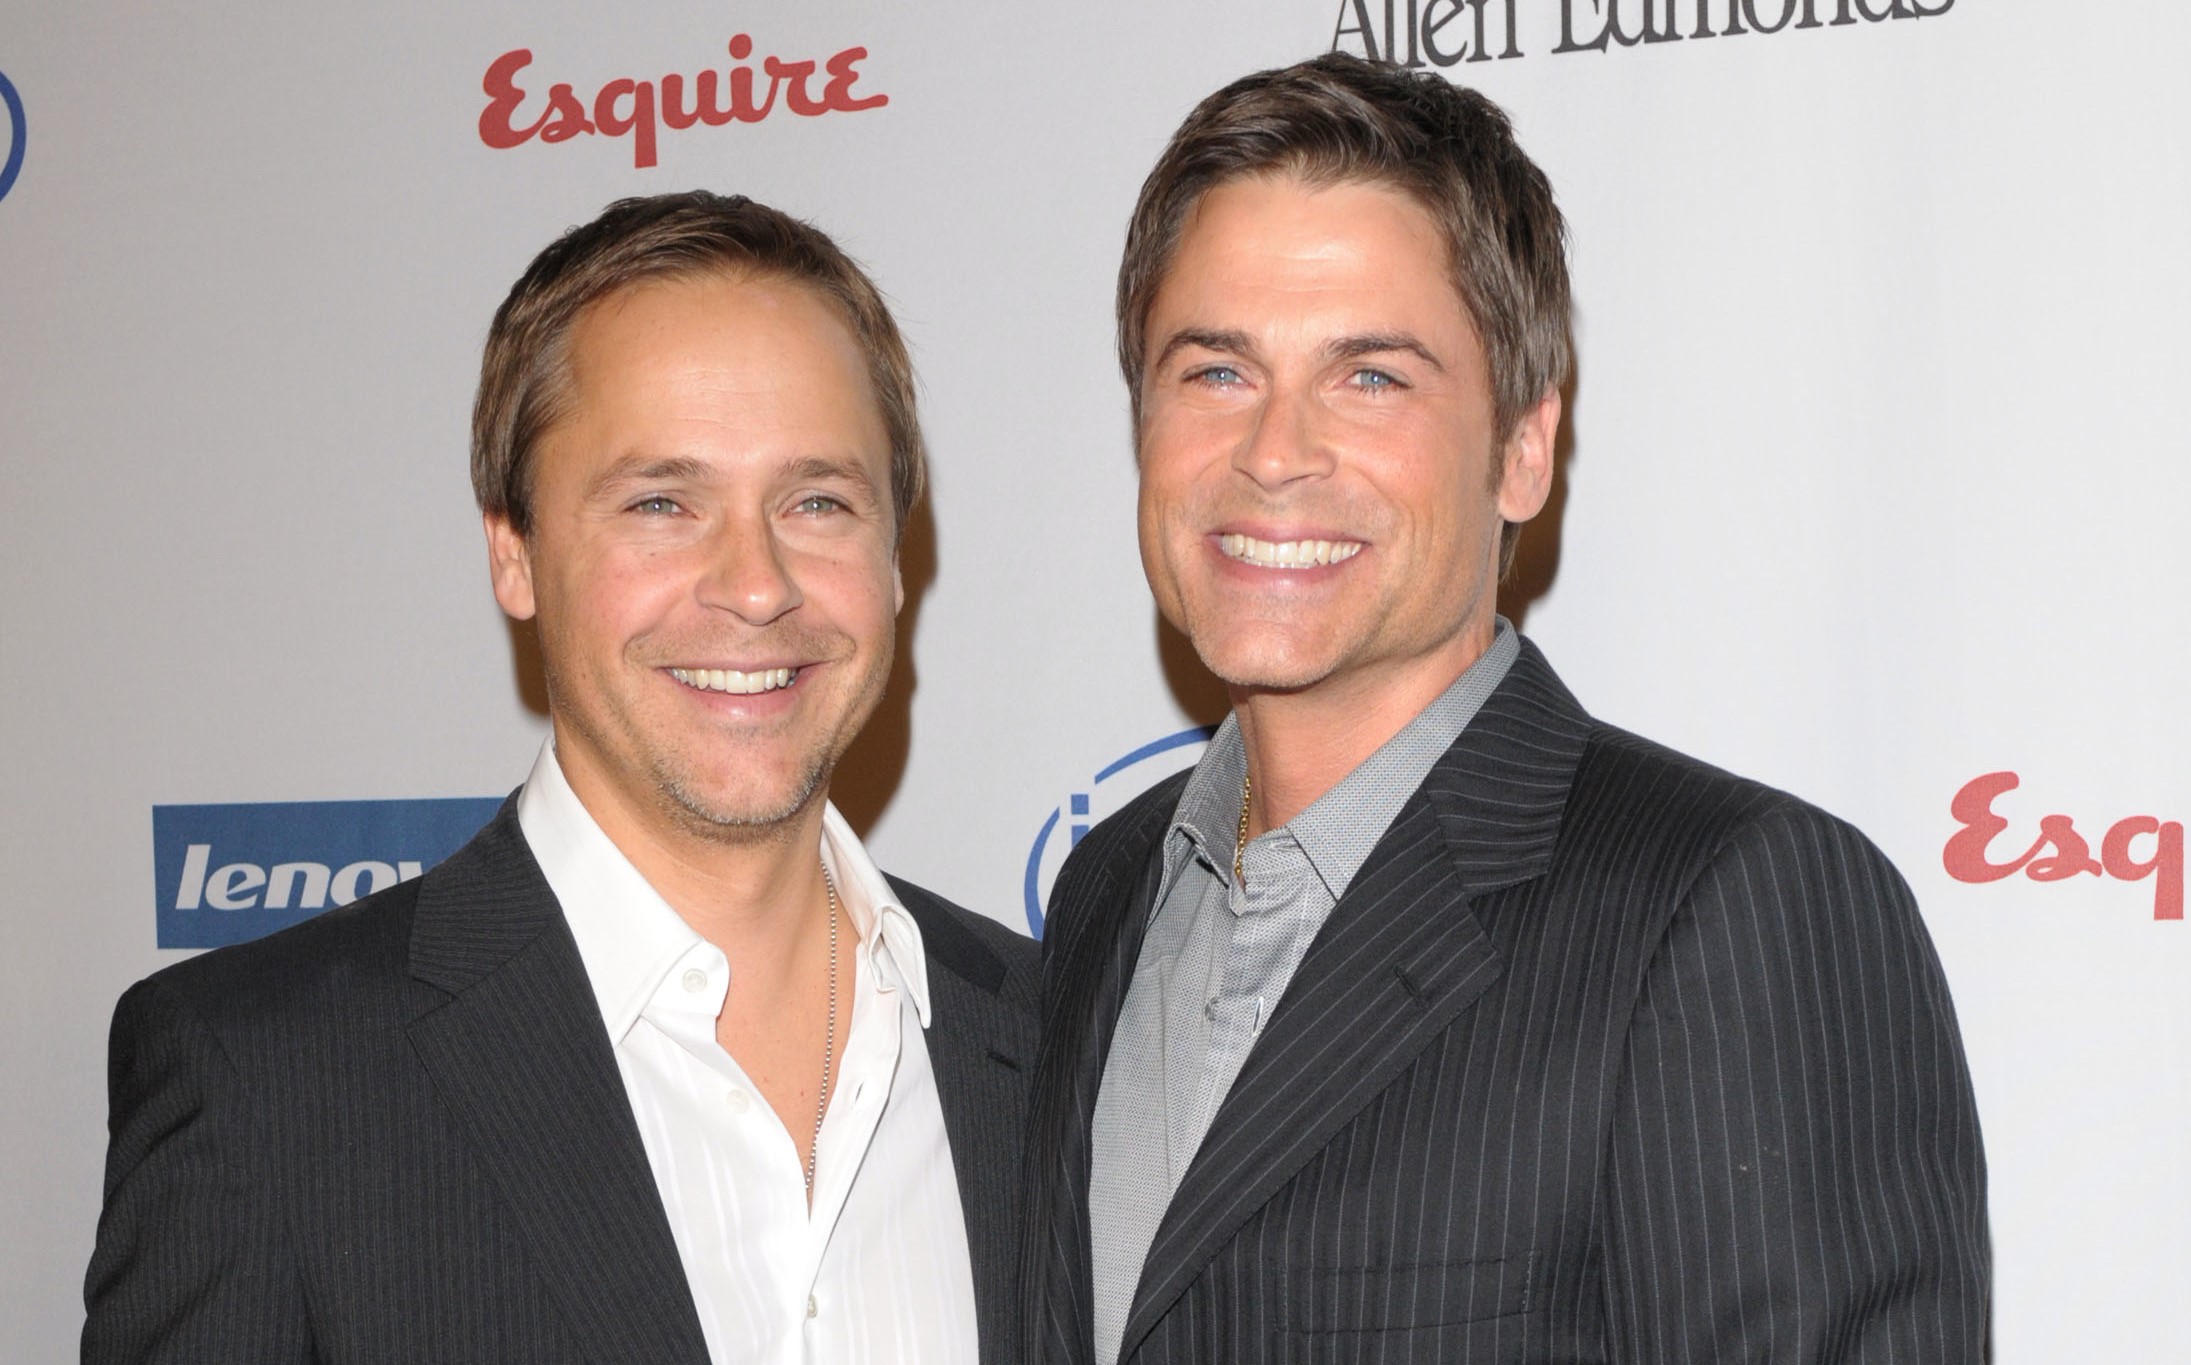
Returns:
(1605,1056)
(1217,954)
(397,1133)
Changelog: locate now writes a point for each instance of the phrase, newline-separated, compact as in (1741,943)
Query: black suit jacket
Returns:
(397,1132)
(1605,1055)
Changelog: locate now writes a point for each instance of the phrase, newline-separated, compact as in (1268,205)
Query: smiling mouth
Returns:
(1287,554)
(732,680)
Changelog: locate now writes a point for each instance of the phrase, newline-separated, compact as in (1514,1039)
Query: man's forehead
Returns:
(1275,194)
(1293,247)
(725,320)
(732,293)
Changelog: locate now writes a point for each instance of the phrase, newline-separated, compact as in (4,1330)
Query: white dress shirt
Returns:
(878,1270)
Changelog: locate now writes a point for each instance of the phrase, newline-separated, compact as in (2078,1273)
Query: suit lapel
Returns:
(979,1086)
(1099,911)
(520,1058)
(981,1048)
(1401,957)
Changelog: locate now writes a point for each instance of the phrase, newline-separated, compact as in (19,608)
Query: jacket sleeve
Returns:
(1795,1170)
(191,1261)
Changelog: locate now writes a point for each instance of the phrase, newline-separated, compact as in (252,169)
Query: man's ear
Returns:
(1526,480)
(510,567)
(897,584)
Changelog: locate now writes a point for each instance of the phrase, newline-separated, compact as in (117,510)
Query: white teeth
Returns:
(1288,553)
(731,680)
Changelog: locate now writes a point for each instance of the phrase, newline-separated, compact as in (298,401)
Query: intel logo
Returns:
(230,873)
(13,166)
(1113,786)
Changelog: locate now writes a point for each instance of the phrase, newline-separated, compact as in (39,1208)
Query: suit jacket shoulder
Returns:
(395,1131)
(370,935)
(1655,817)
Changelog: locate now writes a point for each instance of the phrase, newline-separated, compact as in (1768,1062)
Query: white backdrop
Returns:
(1874,483)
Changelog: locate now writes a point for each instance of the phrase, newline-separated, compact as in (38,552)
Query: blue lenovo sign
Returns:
(229,873)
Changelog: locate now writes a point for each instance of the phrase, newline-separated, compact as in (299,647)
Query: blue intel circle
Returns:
(17,135)
(1032,887)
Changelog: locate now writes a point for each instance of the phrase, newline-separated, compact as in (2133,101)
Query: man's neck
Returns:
(1301,744)
(758,895)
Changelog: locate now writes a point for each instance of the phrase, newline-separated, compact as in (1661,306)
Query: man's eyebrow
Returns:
(1223,341)
(646,469)
(1376,343)
(823,467)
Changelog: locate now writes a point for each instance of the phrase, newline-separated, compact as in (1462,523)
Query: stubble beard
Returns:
(683,802)
(686,800)
(681,792)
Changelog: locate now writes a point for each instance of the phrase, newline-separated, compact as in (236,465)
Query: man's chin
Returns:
(1255,675)
(746,816)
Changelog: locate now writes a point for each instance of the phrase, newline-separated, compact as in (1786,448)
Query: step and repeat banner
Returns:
(1874,485)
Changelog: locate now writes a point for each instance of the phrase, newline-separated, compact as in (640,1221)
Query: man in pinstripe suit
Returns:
(1429,1019)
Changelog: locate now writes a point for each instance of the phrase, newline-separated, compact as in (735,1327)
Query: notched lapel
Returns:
(519,1056)
(976,1081)
(981,1049)
(1400,958)
(1501,791)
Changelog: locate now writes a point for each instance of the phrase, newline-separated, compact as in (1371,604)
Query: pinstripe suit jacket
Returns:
(1605,1055)
(397,1133)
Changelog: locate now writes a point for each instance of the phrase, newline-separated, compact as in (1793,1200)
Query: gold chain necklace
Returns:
(1240,844)
(829,1039)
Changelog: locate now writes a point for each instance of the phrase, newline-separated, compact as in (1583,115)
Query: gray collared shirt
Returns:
(1218,955)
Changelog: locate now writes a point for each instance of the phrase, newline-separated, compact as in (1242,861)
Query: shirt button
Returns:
(1209,1011)
(813,1309)
(739,1101)
(696,980)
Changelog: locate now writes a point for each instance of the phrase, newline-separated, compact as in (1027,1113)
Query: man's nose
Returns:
(1285,443)
(747,573)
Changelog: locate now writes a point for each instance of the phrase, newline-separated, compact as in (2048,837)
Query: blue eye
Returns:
(1375,379)
(1217,376)
(815,504)
(655,506)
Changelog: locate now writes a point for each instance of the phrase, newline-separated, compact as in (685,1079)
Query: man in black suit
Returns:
(1429,1019)
(659,1067)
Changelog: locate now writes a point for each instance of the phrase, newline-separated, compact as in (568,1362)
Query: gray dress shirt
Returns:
(1218,956)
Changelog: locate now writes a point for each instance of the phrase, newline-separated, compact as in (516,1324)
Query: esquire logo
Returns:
(2060,851)
(229,873)
(1114,784)
(742,92)
(17,127)
(1447,32)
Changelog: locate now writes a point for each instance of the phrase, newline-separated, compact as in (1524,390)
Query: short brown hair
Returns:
(1337,118)
(524,375)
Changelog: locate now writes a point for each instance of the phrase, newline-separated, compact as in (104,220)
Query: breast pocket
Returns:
(1452,1312)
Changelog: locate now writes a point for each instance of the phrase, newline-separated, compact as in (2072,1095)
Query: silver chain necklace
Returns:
(829,1039)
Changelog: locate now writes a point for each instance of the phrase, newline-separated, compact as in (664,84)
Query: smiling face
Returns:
(1321,483)
(712,557)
